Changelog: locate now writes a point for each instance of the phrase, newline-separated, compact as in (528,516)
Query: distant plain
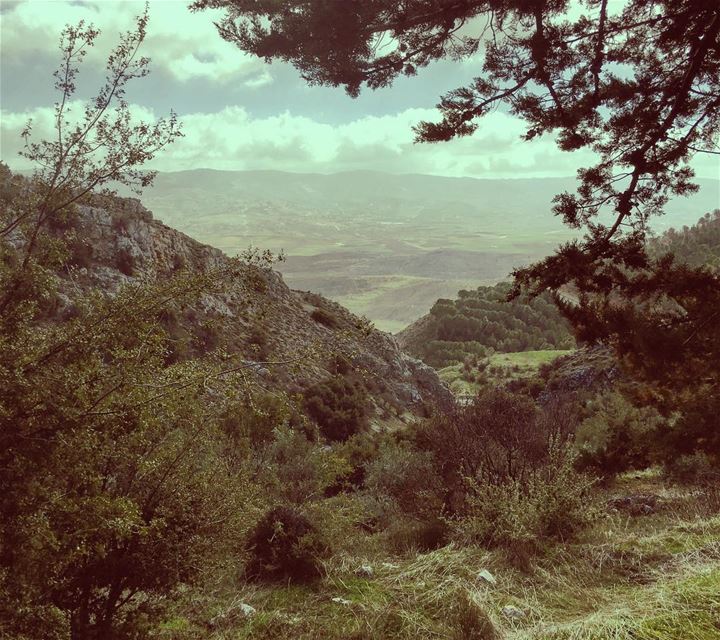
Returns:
(384,245)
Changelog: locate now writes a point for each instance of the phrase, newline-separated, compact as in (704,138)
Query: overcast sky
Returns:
(241,113)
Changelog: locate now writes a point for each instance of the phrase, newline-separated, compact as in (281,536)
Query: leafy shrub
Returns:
(249,427)
(501,436)
(617,436)
(258,342)
(120,222)
(125,261)
(552,501)
(357,451)
(81,253)
(694,467)
(339,406)
(408,477)
(324,317)
(296,469)
(285,546)
(696,430)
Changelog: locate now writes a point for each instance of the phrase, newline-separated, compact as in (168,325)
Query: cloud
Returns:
(233,139)
(185,45)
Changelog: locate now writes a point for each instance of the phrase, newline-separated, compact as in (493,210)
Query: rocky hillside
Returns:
(290,339)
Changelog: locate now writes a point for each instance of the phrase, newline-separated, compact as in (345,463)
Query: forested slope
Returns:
(698,245)
(481,322)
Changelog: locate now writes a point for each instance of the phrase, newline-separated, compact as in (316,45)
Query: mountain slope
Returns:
(696,246)
(289,339)
(481,322)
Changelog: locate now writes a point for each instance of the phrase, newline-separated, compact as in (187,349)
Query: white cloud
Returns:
(184,44)
(262,79)
(232,139)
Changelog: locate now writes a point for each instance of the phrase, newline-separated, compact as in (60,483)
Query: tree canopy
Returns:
(482,321)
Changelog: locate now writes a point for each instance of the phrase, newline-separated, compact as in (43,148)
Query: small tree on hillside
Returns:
(114,487)
(104,146)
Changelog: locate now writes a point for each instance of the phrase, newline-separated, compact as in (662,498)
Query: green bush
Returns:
(285,546)
(297,470)
(553,501)
(339,406)
(125,261)
(408,477)
(501,436)
(697,429)
(249,426)
(617,436)
(692,468)
(81,253)
(258,342)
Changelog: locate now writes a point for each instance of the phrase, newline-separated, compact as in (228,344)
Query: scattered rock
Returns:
(365,571)
(234,613)
(510,611)
(342,601)
(637,504)
(246,610)
(486,577)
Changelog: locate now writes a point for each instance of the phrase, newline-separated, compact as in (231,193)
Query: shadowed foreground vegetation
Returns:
(643,576)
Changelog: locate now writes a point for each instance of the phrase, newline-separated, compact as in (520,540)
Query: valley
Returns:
(384,245)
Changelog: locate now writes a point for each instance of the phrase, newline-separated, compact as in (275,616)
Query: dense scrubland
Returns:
(189,449)
(154,491)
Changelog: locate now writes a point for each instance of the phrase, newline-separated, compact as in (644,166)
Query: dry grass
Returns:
(654,577)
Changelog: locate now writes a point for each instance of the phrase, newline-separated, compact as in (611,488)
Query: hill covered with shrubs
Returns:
(481,322)
(697,245)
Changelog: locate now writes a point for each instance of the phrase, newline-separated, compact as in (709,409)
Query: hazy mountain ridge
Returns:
(420,237)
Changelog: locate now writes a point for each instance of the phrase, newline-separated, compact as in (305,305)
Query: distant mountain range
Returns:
(384,245)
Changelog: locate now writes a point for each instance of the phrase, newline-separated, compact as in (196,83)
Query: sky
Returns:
(239,112)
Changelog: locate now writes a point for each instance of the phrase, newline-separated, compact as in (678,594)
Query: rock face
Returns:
(295,337)
(591,368)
